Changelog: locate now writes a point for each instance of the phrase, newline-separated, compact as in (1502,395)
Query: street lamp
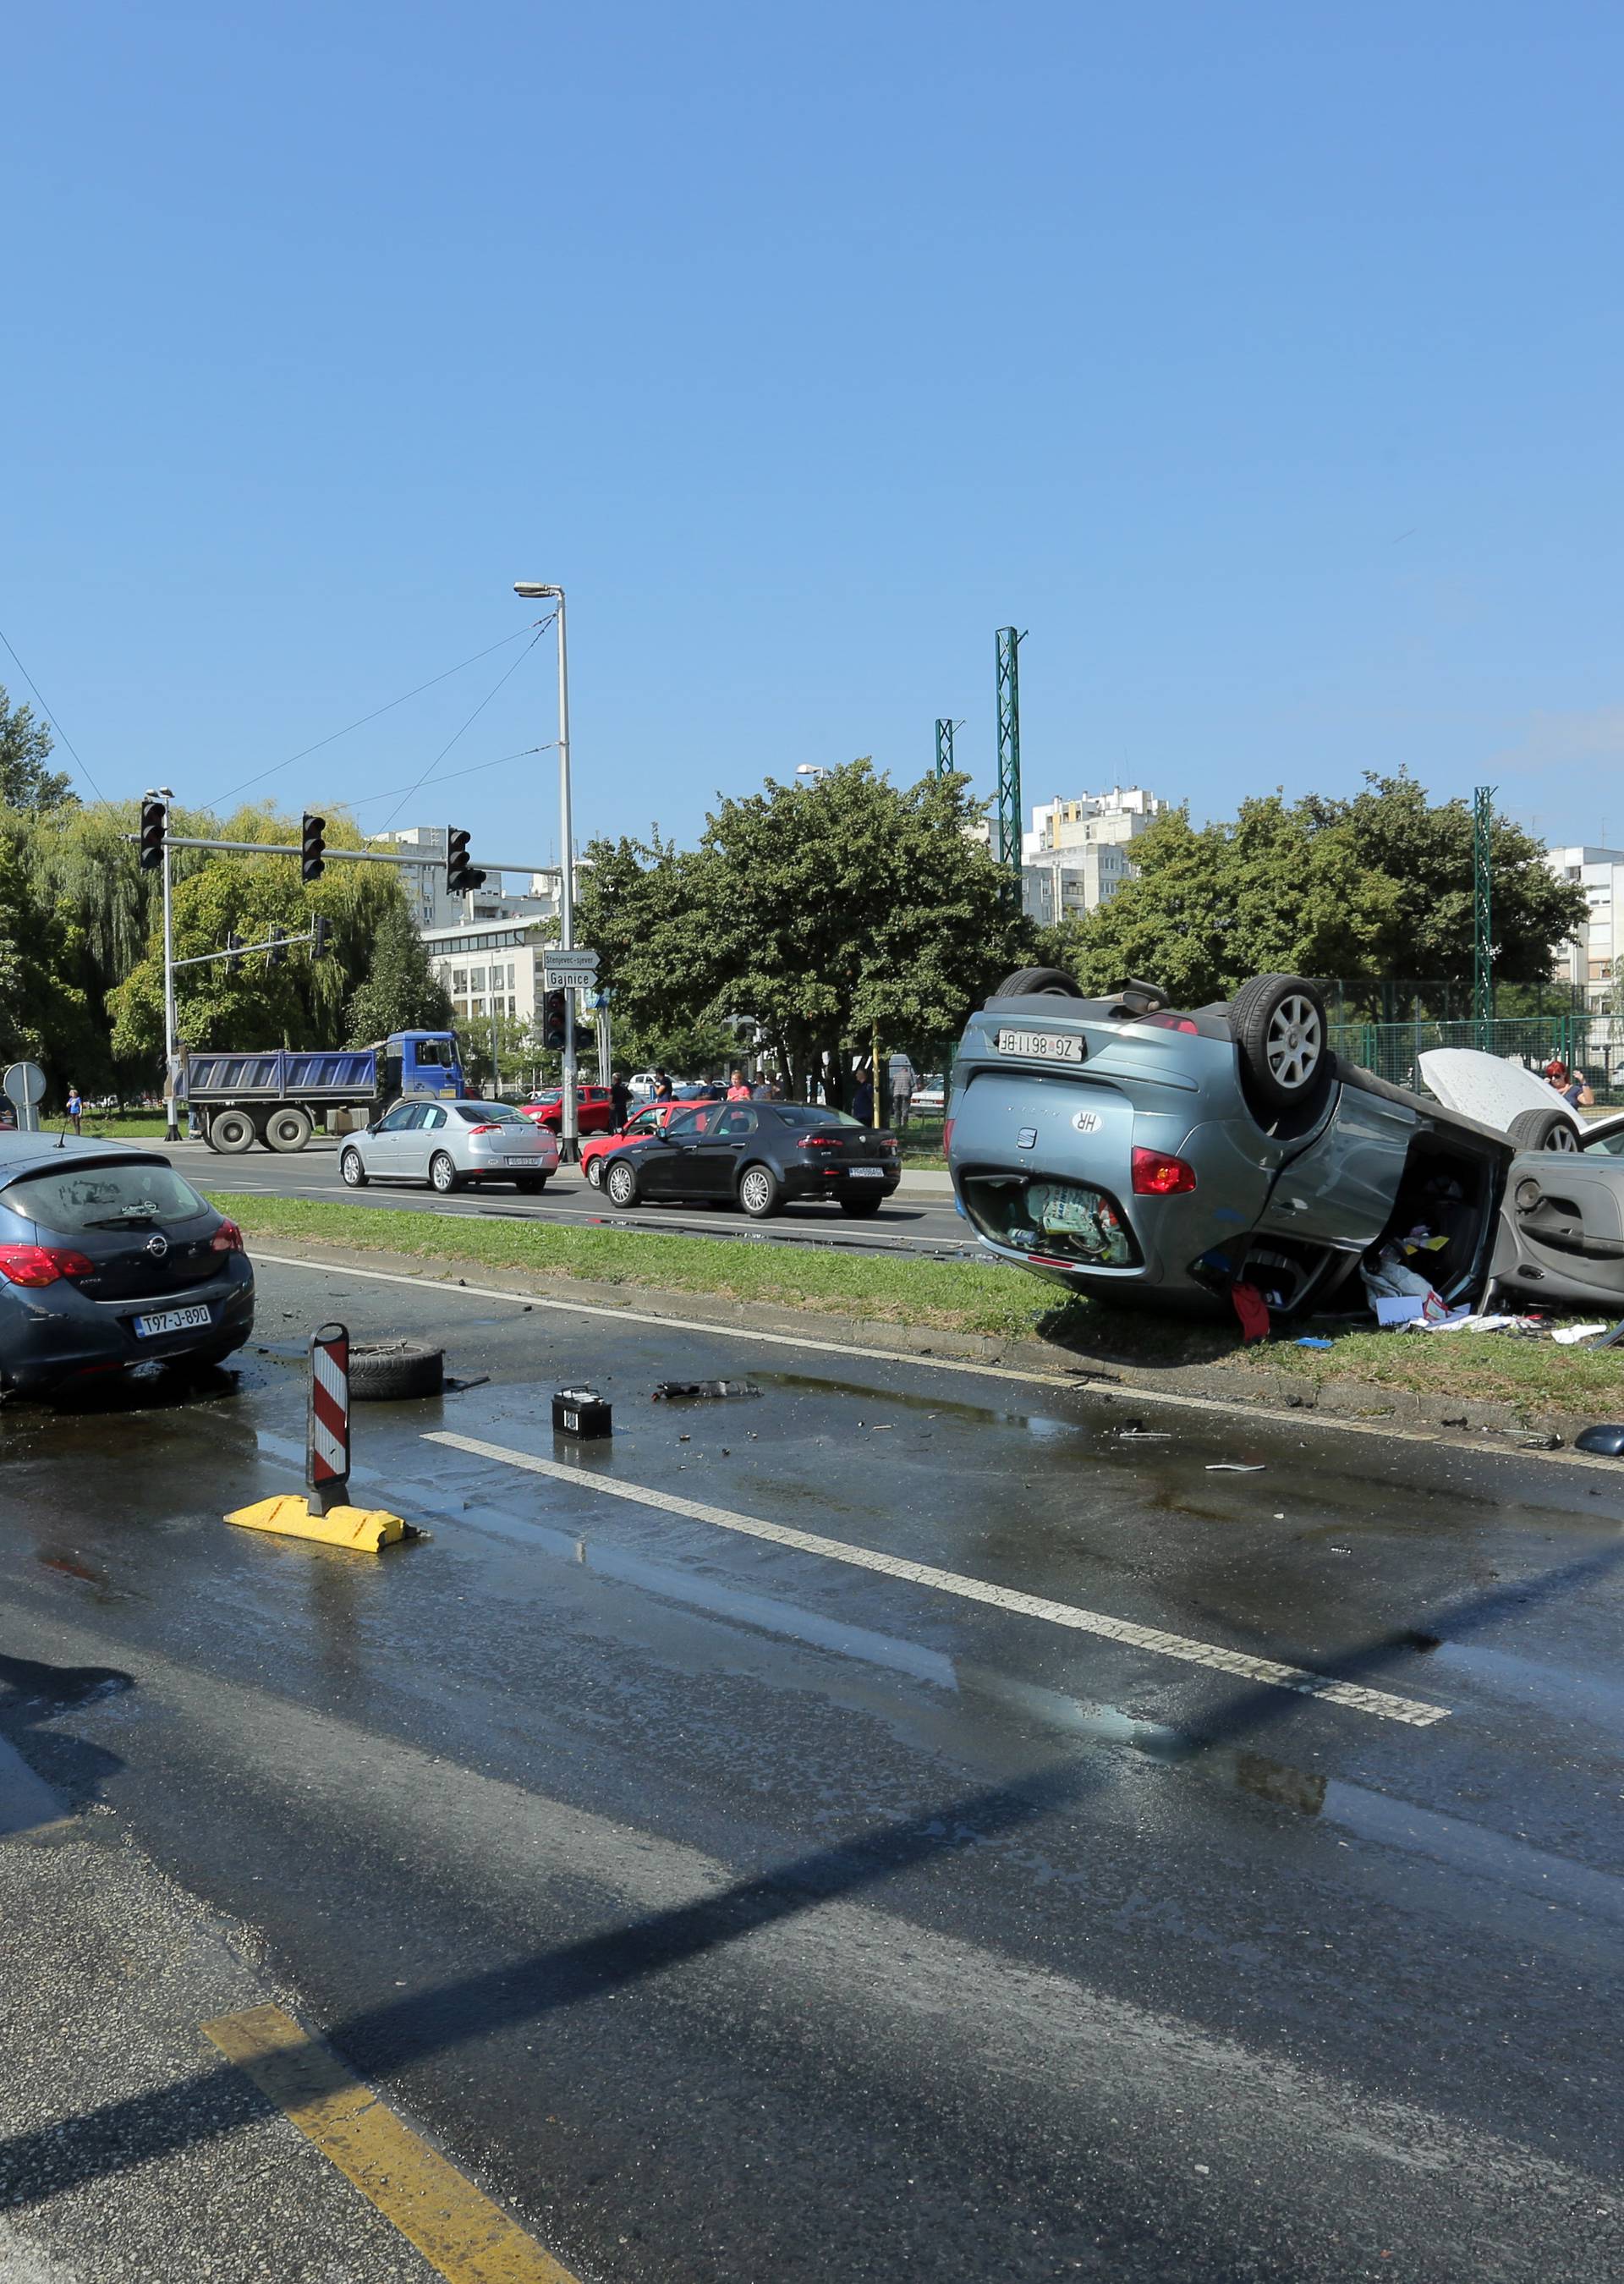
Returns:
(534,590)
(810,770)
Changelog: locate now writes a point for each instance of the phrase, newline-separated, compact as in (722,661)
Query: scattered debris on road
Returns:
(669,1389)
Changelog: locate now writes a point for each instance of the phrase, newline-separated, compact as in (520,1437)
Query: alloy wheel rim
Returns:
(1291,1048)
(442,1175)
(757,1190)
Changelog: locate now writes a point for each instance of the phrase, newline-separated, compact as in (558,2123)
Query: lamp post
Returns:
(171,1044)
(534,590)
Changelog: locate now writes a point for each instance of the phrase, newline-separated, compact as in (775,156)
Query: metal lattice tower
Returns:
(1007,845)
(1483,903)
(945,764)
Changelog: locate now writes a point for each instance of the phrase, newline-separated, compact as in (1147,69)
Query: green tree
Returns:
(25,748)
(1378,887)
(399,991)
(813,914)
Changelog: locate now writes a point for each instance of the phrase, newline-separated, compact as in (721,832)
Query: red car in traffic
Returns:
(595,1155)
(594,1109)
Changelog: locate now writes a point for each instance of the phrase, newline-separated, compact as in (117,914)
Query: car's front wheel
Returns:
(594,1172)
(1543,1129)
(442,1174)
(353,1172)
(759,1192)
(620,1183)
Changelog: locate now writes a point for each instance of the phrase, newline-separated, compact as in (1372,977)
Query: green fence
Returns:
(1584,1043)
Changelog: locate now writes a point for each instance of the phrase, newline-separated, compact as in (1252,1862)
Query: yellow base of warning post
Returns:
(367,1528)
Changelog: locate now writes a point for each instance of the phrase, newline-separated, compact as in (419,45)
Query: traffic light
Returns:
(234,950)
(553,1021)
(321,928)
(276,951)
(154,821)
(313,851)
(460,874)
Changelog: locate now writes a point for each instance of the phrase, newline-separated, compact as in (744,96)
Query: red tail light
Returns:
(42,1265)
(820,1142)
(485,1130)
(226,1239)
(1169,1022)
(947,1136)
(1157,1175)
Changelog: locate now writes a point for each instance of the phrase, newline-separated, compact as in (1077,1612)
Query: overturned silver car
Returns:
(1161,1156)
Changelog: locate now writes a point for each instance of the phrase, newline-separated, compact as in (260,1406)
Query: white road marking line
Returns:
(1351,1694)
(1229,1411)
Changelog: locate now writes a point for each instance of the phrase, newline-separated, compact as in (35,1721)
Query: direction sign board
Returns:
(570,970)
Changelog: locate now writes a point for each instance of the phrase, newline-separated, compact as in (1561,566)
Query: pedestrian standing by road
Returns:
(75,1107)
(620,1096)
(863,1098)
(662,1087)
(901,1092)
(739,1087)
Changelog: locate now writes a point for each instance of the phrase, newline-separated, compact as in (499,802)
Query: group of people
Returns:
(768,1087)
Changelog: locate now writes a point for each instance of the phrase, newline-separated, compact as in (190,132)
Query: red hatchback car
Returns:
(594,1109)
(595,1155)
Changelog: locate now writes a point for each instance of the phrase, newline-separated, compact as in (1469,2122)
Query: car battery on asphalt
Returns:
(581,1412)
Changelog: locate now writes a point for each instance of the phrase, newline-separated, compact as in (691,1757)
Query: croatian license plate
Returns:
(529,1161)
(1041,1046)
(173,1321)
(866,1173)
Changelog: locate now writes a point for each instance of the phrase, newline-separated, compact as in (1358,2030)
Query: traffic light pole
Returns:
(171,1042)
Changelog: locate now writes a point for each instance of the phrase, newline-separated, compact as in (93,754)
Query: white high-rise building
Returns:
(1587,959)
(1075,857)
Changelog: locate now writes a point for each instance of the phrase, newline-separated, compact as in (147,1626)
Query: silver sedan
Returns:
(446,1144)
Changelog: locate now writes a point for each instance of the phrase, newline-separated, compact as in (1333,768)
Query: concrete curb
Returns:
(1449,1419)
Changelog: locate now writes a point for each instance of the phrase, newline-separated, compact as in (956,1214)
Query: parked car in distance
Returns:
(594,1109)
(699,1090)
(595,1151)
(930,1097)
(108,1258)
(760,1156)
(641,1084)
(1141,1153)
(448,1144)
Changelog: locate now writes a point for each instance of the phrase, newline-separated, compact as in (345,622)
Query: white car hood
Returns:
(1476,1085)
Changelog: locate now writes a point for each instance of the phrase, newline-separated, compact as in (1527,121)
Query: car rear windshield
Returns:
(809,1113)
(490,1114)
(74,1198)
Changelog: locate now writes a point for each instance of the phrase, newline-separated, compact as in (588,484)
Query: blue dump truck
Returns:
(276,1095)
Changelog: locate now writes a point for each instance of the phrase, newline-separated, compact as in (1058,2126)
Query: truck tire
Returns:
(388,1372)
(287,1128)
(1543,1129)
(231,1131)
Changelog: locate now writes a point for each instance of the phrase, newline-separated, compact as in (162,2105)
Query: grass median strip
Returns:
(964,1296)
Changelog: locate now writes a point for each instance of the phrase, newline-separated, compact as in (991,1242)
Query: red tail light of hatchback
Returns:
(1157,1173)
(42,1265)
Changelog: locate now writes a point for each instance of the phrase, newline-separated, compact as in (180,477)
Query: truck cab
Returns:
(422,1063)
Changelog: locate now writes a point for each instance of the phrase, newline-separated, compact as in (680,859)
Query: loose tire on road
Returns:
(231,1131)
(1279,1028)
(861,1209)
(442,1175)
(351,1168)
(759,1192)
(1543,1129)
(389,1372)
(621,1185)
(288,1127)
(1039,983)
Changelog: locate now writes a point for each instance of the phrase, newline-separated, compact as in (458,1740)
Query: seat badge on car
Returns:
(1085,1122)
(1026,1139)
(157,1246)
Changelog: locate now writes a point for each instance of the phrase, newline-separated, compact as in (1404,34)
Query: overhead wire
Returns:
(378,711)
(448,777)
(53,723)
(541,629)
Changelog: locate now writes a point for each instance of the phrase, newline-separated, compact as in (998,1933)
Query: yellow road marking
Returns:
(461,2232)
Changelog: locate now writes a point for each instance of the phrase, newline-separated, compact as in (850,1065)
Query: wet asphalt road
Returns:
(915,1224)
(740,1912)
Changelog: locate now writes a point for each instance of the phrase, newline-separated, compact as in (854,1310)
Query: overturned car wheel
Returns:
(1039,983)
(1278,1023)
(1543,1129)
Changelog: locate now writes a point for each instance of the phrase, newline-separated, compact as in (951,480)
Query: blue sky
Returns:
(1263,364)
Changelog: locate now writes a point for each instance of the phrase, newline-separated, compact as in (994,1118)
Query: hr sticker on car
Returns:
(1041,1046)
(1086,1121)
